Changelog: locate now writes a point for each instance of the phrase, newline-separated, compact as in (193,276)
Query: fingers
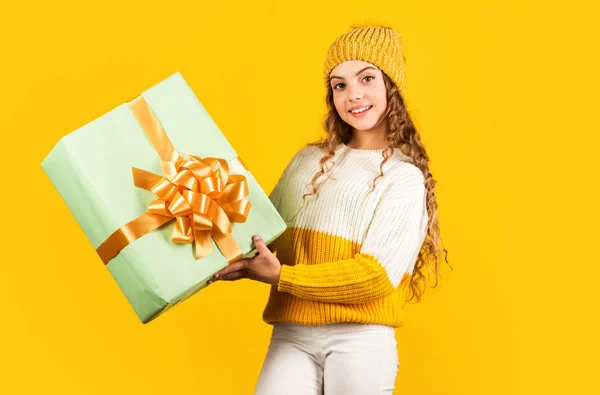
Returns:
(235,266)
(234,276)
(260,245)
(238,270)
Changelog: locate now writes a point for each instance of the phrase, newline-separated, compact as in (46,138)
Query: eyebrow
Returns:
(368,67)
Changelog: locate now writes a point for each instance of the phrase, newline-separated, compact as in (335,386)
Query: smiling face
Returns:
(357,84)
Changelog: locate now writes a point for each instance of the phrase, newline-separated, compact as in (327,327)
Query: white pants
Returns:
(332,359)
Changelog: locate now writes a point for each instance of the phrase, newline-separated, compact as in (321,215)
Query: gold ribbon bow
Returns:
(202,195)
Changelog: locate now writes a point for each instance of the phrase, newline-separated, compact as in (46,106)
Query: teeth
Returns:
(359,110)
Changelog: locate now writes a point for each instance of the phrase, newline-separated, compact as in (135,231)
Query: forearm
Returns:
(353,280)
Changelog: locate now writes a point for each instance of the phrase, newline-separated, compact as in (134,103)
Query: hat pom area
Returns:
(369,23)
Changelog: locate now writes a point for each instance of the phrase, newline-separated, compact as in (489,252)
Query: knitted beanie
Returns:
(376,44)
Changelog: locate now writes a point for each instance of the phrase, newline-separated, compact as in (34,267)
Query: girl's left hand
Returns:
(264,267)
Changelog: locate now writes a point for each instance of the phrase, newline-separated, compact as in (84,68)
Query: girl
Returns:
(358,249)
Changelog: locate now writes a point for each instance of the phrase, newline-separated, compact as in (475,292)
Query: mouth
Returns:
(362,113)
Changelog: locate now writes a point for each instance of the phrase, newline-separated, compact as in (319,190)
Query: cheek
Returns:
(381,101)
(380,95)
(339,105)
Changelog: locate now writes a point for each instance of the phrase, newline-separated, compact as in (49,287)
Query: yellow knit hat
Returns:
(377,44)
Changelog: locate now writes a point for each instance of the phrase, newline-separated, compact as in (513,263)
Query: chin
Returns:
(364,128)
(361,126)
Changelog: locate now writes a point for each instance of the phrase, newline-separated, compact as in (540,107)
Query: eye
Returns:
(368,76)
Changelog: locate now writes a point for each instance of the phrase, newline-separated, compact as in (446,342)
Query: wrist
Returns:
(275,280)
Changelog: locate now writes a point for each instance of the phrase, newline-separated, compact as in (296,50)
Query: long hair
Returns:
(401,134)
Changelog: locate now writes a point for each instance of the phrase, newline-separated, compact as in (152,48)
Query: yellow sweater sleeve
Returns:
(354,280)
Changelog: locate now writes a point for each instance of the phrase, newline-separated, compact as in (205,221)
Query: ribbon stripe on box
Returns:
(202,195)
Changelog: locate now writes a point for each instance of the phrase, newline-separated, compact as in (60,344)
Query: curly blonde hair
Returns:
(401,134)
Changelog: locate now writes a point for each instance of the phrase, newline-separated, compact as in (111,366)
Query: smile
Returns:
(360,111)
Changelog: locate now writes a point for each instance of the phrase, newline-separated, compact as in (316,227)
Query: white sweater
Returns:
(344,257)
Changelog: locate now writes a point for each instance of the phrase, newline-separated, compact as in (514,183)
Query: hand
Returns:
(263,267)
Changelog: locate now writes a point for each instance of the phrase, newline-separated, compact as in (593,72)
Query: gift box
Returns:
(161,195)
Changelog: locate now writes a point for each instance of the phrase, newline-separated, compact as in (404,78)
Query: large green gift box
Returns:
(92,170)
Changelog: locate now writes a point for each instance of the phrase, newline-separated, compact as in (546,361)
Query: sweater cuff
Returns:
(286,279)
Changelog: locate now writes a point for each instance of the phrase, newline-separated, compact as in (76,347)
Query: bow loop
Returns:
(159,207)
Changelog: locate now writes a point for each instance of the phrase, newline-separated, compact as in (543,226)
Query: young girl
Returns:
(355,251)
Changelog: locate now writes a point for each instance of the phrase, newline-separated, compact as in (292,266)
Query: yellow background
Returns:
(503,93)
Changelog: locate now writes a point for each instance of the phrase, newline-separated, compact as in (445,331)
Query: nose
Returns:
(355,93)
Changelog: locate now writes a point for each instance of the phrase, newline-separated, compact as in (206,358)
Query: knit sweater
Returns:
(346,257)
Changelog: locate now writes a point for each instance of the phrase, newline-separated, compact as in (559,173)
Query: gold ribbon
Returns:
(202,195)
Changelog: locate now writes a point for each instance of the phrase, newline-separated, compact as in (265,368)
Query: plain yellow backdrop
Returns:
(503,93)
